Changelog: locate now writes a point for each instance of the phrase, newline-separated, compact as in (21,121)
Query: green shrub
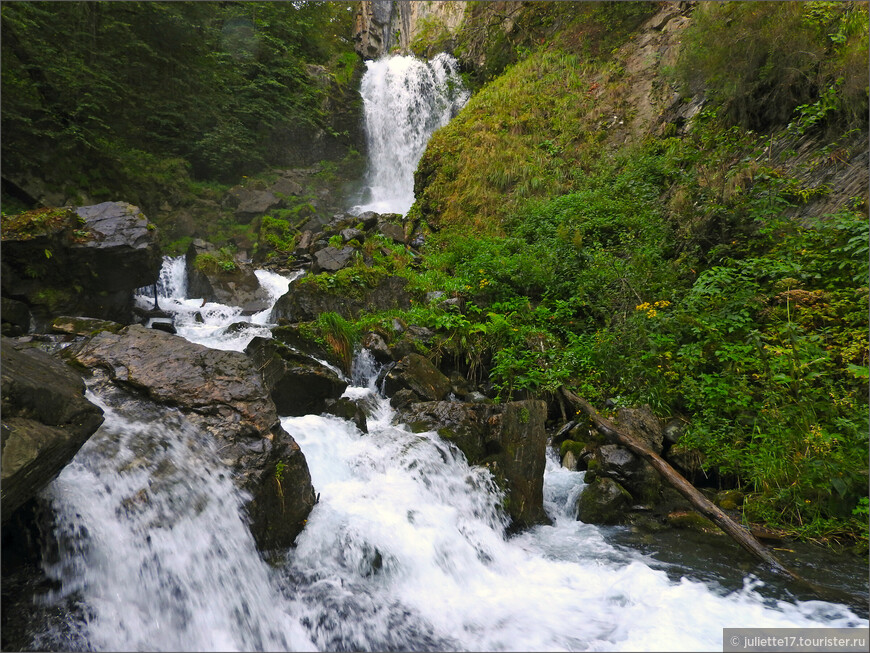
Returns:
(222,260)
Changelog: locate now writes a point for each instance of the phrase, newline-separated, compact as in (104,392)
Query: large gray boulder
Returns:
(632,472)
(86,261)
(509,439)
(298,384)
(46,420)
(223,393)
(416,373)
(332,259)
(122,249)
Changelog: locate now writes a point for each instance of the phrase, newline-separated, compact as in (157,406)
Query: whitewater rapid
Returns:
(406,548)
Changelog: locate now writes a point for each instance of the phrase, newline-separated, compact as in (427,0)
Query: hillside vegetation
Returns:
(635,255)
(148,100)
(647,203)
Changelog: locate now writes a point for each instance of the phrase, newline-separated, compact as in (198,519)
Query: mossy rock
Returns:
(84,326)
(573,446)
(691,520)
(729,499)
(603,502)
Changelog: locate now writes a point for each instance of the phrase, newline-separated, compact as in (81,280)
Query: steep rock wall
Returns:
(425,28)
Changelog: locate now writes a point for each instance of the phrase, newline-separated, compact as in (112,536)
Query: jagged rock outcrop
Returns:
(85,261)
(46,420)
(298,384)
(222,393)
(508,438)
(426,28)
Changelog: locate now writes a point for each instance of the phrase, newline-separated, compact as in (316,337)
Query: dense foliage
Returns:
(691,273)
(109,97)
(672,271)
(761,60)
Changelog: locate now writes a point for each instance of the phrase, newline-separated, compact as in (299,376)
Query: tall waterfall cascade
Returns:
(405,101)
(407,547)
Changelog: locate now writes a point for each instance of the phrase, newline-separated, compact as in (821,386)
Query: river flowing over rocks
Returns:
(245,493)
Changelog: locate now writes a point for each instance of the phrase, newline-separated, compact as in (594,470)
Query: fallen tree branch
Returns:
(701,503)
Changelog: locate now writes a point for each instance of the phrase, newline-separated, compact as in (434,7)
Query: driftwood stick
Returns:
(672,476)
(706,507)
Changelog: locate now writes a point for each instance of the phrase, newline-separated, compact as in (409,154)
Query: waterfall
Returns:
(154,553)
(405,101)
(172,282)
(407,547)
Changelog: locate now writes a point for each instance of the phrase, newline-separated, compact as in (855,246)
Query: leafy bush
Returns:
(222,260)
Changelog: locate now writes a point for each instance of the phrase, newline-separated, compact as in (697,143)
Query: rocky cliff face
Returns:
(383,26)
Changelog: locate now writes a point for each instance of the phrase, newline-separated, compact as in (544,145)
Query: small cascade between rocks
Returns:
(210,323)
(407,547)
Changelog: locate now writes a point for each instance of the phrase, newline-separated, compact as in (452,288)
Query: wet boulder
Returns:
(86,261)
(46,420)
(376,344)
(414,372)
(604,501)
(298,384)
(350,410)
(223,280)
(632,472)
(223,393)
(465,425)
(509,439)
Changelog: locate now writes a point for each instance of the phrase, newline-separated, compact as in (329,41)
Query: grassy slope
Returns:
(620,253)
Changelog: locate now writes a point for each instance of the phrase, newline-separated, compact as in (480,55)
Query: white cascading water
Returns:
(405,550)
(405,100)
(210,323)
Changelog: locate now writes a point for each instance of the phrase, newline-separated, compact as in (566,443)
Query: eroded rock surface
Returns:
(221,392)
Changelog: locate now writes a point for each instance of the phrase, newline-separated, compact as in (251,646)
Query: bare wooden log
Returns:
(706,507)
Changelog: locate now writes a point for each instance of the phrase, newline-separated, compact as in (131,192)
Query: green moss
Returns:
(693,521)
(351,281)
(54,298)
(35,223)
(574,447)
(223,260)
